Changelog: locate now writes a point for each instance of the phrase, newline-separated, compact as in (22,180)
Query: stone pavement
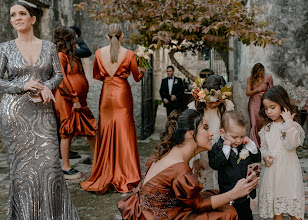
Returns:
(91,206)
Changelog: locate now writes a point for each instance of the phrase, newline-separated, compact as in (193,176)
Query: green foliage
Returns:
(157,102)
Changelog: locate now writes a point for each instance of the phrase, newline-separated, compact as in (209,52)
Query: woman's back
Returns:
(110,67)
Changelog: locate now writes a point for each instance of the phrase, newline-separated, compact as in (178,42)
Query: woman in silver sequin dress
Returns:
(37,187)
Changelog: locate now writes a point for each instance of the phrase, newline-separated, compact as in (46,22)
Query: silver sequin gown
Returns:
(37,188)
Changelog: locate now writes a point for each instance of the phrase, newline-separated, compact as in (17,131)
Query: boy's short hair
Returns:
(232,117)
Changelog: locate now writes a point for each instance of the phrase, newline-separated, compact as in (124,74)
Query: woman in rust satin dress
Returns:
(169,189)
(76,119)
(116,158)
(257,84)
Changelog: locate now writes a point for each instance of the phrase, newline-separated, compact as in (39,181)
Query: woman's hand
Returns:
(33,85)
(141,69)
(77,105)
(268,159)
(47,95)
(244,186)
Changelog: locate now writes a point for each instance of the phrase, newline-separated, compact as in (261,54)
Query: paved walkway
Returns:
(91,206)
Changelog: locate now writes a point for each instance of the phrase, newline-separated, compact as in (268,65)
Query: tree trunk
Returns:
(179,66)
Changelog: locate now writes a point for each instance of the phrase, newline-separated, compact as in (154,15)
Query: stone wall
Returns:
(93,32)
(287,64)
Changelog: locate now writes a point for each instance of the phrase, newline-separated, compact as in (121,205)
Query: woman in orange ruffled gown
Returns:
(116,158)
(75,117)
(169,189)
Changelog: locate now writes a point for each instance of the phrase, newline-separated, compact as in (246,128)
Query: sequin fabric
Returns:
(37,186)
(158,203)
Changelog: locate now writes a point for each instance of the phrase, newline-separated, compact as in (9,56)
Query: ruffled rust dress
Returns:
(74,88)
(116,157)
(174,193)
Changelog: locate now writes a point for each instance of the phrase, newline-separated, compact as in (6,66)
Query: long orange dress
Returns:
(116,157)
(73,88)
(174,193)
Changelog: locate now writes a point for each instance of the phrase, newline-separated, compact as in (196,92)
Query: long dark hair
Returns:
(257,72)
(279,95)
(26,6)
(65,39)
(212,82)
(176,127)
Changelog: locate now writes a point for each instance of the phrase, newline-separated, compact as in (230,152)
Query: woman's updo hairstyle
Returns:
(212,82)
(114,32)
(176,127)
(65,39)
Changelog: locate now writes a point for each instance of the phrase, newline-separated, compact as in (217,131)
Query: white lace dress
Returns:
(207,176)
(282,188)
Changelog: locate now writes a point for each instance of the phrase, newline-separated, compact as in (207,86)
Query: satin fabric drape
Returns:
(116,158)
(73,88)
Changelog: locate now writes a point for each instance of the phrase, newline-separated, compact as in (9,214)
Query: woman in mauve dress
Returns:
(257,84)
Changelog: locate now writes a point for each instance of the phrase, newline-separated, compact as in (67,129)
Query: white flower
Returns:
(174,42)
(140,54)
(141,48)
(213,99)
(146,57)
(150,51)
(244,153)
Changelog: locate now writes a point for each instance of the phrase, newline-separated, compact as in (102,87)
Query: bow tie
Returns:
(170,77)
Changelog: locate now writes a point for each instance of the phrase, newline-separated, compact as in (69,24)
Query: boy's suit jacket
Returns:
(229,172)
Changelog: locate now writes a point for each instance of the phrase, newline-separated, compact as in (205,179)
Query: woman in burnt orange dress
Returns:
(116,158)
(257,84)
(75,118)
(169,189)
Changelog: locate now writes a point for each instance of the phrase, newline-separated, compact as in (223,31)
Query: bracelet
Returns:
(230,200)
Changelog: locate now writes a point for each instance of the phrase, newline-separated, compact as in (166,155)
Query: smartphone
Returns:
(254,168)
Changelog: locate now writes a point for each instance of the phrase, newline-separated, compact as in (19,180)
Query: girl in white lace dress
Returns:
(213,112)
(282,188)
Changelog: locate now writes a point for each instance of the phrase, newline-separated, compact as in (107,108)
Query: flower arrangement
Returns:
(143,56)
(243,155)
(204,95)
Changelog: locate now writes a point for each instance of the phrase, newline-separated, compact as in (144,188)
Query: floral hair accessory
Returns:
(204,95)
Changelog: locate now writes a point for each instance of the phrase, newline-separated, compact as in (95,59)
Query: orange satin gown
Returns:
(116,158)
(73,88)
(175,194)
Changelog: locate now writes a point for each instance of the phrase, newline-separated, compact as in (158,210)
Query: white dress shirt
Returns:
(170,84)
(251,147)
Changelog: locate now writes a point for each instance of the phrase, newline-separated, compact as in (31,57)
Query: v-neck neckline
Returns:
(35,63)
(100,56)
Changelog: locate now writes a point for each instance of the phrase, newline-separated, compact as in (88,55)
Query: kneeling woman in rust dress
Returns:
(169,189)
(75,117)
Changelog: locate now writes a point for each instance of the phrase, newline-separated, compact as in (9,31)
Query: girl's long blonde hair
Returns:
(114,32)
